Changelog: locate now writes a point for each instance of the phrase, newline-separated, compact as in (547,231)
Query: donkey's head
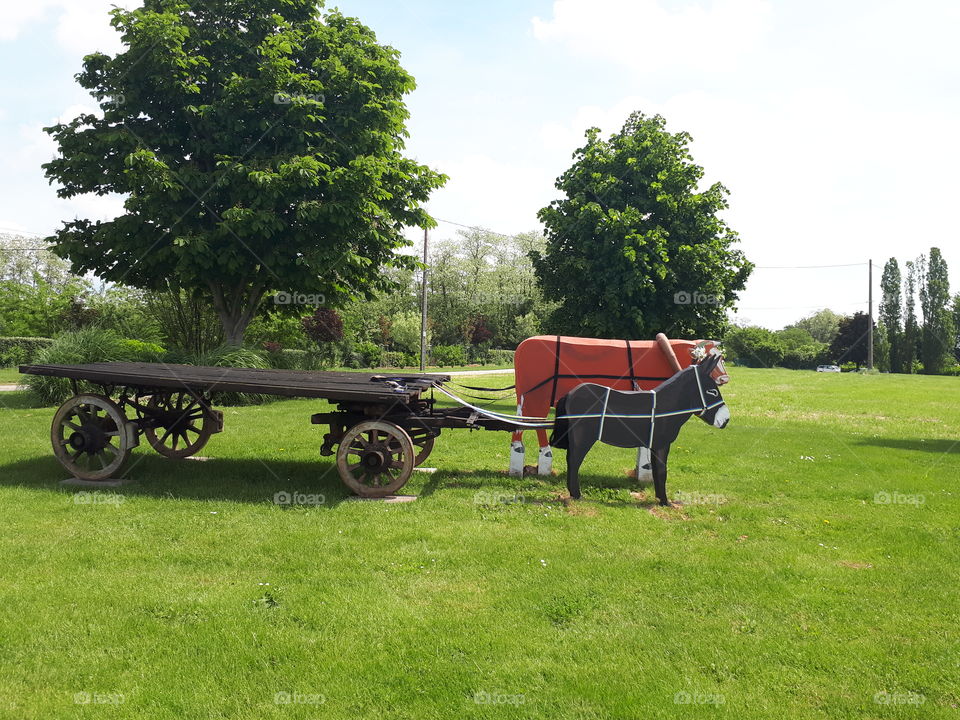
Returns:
(715,411)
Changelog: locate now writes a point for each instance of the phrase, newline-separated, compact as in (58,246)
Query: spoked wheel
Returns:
(90,437)
(422,440)
(182,427)
(375,458)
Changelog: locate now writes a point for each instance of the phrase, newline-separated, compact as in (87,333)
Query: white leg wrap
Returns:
(545,461)
(644,465)
(516,458)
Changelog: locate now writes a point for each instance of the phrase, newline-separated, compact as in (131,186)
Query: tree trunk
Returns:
(236,315)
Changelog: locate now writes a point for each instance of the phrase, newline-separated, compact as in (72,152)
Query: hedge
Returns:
(448,355)
(20,350)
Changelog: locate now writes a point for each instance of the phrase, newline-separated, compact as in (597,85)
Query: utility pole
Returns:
(423,306)
(870,313)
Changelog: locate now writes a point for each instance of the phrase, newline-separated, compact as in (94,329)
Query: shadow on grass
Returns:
(22,400)
(244,480)
(597,489)
(936,445)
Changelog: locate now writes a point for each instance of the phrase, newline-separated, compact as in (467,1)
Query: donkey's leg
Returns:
(545,459)
(644,465)
(580,444)
(659,458)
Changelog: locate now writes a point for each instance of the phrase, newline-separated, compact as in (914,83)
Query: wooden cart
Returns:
(382,428)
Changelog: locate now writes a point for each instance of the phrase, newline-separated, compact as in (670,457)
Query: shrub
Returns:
(227,356)
(286,359)
(75,348)
(290,359)
(394,359)
(405,329)
(755,346)
(368,354)
(501,357)
(139,351)
(21,350)
(448,355)
(188,323)
(479,353)
(324,326)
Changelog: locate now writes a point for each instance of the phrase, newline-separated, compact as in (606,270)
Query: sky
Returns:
(832,124)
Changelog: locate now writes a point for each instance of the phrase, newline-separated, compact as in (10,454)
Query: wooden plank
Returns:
(329,385)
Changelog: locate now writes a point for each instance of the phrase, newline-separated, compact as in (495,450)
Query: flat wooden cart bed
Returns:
(383,425)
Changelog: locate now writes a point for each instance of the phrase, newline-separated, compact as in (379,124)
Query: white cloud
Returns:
(645,36)
(82,26)
(816,176)
(500,195)
(17,15)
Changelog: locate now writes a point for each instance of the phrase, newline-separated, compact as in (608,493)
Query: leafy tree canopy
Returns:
(850,344)
(633,247)
(258,146)
(822,325)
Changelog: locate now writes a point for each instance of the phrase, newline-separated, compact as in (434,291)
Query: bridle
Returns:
(703,399)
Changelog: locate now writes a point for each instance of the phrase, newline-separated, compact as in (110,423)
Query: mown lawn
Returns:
(10,376)
(812,572)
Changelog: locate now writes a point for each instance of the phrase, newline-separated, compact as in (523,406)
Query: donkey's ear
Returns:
(710,362)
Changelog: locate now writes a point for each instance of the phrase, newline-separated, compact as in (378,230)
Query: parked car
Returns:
(828,368)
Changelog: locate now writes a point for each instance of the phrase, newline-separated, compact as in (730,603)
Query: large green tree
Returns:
(634,246)
(936,336)
(911,330)
(823,325)
(956,327)
(850,344)
(891,315)
(258,146)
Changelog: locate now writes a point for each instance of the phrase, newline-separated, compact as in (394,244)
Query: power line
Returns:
(805,267)
(803,307)
(12,231)
(475,227)
(756,267)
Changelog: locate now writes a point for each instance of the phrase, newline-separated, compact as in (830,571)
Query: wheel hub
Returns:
(375,459)
(89,438)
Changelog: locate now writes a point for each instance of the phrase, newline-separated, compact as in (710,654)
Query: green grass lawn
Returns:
(9,376)
(813,572)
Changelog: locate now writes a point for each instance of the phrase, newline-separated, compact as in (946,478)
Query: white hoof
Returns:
(545,461)
(516,459)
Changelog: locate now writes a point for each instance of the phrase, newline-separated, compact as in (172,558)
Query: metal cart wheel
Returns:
(182,426)
(375,458)
(91,437)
